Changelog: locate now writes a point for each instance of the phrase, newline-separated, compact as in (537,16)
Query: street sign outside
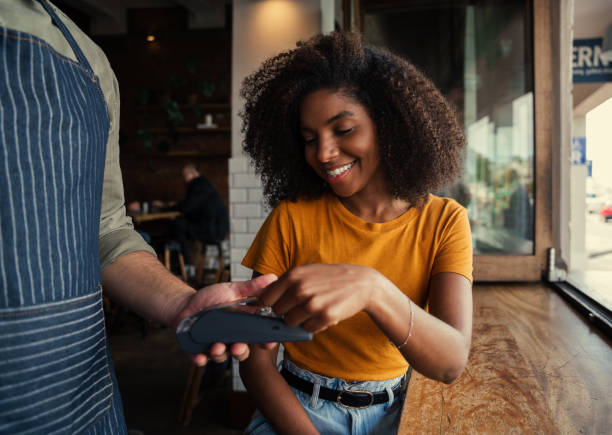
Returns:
(589,63)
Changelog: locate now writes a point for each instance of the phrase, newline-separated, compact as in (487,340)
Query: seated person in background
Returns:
(204,215)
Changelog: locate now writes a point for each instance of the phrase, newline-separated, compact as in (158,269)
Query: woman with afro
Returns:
(351,141)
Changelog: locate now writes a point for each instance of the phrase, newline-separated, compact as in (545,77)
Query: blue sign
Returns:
(589,63)
(589,164)
(578,150)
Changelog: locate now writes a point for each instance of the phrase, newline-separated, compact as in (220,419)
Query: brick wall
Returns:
(145,72)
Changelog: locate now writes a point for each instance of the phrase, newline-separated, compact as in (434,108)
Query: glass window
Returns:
(479,53)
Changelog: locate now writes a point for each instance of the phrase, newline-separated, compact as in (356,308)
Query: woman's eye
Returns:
(343,131)
(309,140)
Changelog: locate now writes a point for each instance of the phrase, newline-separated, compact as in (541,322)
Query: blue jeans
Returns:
(332,418)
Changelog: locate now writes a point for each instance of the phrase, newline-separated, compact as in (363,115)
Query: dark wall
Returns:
(182,74)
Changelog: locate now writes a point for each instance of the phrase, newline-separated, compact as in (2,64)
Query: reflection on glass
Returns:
(479,54)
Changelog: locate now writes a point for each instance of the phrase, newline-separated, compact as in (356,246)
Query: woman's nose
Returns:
(327,150)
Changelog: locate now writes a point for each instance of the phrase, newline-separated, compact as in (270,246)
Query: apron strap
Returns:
(75,47)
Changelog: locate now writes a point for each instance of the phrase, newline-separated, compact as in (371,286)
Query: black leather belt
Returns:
(346,398)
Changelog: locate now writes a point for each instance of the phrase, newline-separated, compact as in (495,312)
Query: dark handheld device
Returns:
(241,321)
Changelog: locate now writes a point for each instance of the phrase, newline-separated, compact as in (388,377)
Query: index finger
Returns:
(274,291)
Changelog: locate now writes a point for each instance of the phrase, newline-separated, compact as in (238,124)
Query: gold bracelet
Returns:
(409,328)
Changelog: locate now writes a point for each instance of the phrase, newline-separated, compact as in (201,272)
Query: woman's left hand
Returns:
(317,296)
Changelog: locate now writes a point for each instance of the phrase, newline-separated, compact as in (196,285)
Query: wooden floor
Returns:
(536,366)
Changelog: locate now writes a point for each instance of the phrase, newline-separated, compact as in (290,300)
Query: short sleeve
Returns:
(117,236)
(454,252)
(271,250)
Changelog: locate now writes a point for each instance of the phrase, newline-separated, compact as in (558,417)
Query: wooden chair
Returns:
(200,269)
(191,395)
(175,247)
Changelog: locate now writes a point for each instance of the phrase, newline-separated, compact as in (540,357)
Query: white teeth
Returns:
(340,170)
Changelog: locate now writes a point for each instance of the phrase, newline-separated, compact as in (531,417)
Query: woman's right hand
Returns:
(318,296)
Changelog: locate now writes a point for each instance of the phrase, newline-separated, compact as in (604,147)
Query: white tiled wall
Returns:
(247,213)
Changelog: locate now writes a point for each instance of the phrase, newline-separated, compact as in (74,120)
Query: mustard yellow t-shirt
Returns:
(408,250)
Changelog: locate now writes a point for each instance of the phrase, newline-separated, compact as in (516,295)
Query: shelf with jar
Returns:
(199,128)
(160,126)
(186,105)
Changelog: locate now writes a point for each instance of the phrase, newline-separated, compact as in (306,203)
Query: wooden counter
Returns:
(535,366)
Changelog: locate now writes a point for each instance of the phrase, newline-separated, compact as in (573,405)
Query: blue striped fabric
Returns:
(50,203)
(54,367)
(56,375)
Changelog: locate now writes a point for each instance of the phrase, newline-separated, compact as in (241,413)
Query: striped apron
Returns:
(56,375)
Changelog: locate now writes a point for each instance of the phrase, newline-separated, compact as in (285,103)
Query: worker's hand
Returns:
(217,294)
(318,296)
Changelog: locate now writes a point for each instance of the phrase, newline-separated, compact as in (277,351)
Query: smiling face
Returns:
(340,144)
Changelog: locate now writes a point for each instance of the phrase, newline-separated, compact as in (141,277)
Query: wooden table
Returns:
(148,217)
(535,366)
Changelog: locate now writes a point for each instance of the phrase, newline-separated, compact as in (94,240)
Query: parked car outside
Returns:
(606,213)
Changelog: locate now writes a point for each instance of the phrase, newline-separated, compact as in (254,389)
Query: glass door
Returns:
(482,56)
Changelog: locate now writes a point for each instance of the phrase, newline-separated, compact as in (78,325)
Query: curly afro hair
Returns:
(421,144)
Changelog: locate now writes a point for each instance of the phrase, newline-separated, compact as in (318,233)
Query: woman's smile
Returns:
(337,174)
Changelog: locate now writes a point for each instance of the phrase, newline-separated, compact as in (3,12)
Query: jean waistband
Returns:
(349,395)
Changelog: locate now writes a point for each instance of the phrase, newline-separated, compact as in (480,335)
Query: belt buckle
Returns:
(369,393)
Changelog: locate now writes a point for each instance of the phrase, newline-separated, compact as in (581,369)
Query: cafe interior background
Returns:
(505,65)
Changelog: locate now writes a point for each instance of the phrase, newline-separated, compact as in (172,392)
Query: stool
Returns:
(174,246)
(201,258)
